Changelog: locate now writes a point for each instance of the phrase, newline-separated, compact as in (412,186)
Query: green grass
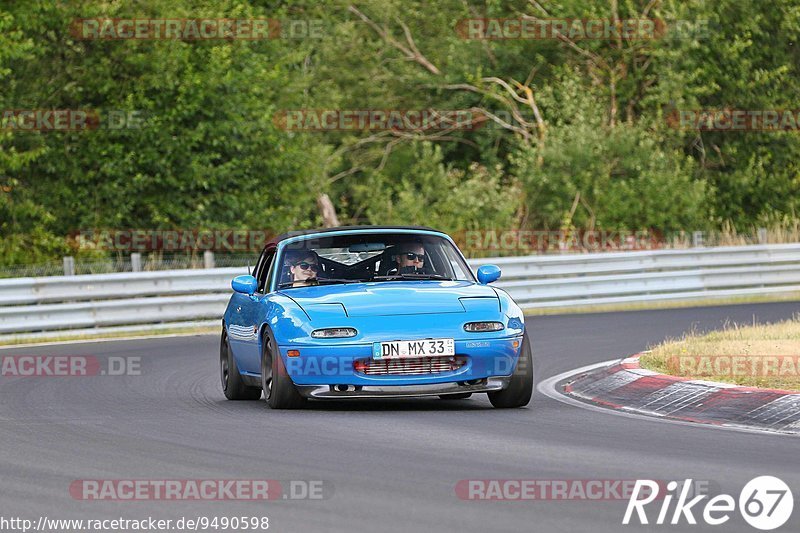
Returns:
(761,355)
(683,304)
(65,337)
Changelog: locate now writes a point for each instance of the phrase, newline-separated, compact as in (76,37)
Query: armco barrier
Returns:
(140,298)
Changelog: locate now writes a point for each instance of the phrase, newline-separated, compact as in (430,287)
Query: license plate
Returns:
(406,349)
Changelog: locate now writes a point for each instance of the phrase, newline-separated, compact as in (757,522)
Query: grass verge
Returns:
(760,355)
(666,304)
(65,337)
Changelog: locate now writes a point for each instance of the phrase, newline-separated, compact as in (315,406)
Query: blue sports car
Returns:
(371,312)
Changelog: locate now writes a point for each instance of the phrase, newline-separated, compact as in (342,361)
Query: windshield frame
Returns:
(286,243)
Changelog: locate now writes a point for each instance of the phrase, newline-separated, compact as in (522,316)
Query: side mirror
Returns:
(488,274)
(244,284)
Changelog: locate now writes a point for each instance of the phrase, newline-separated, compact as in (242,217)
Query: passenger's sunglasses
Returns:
(308,266)
(411,256)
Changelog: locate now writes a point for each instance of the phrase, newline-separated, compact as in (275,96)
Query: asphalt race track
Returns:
(387,466)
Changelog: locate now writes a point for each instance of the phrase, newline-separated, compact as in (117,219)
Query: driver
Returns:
(303,267)
(410,258)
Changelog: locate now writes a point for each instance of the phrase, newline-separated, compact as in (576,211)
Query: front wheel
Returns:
(279,391)
(520,389)
(233,386)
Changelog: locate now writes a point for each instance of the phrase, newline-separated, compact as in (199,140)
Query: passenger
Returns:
(303,267)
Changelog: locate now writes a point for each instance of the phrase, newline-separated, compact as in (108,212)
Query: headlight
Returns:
(333,333)
(479,327)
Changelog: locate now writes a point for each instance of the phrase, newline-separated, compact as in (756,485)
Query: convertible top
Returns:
(290,234)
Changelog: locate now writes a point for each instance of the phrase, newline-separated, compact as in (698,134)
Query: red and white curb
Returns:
(626,387)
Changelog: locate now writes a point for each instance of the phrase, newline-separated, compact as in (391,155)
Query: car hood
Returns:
(391,298)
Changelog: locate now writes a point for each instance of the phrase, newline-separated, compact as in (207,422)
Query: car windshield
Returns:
(370,257)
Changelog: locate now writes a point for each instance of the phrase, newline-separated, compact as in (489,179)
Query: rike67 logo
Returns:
(766,503)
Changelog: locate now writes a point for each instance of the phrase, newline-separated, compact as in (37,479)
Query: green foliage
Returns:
(208,153)
(617,178)
(431,194)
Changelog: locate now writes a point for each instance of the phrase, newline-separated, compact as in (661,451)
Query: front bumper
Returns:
(331,392)
(319,367)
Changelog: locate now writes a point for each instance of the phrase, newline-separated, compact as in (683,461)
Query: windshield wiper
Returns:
(391,277)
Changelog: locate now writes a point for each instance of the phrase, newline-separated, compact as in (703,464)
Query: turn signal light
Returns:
(333,333)
(293,353)
(480,327)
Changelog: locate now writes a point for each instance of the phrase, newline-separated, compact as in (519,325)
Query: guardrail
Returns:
(176,296)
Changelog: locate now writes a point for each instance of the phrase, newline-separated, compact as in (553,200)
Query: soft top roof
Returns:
(291,234)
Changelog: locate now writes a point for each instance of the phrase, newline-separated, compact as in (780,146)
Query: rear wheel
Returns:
(279,391)
(232,384)
(460,396)
(519,390)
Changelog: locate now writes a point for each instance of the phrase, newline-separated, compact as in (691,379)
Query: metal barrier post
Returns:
(69,266)
(136,262)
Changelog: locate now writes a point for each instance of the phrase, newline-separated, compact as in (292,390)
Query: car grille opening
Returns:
(418,365)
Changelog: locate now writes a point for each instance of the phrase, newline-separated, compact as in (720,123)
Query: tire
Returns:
(279,391)
(461,396)
(520,389)
(233,386)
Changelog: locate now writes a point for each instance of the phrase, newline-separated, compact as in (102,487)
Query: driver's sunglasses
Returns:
(308,266)
(411,256)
